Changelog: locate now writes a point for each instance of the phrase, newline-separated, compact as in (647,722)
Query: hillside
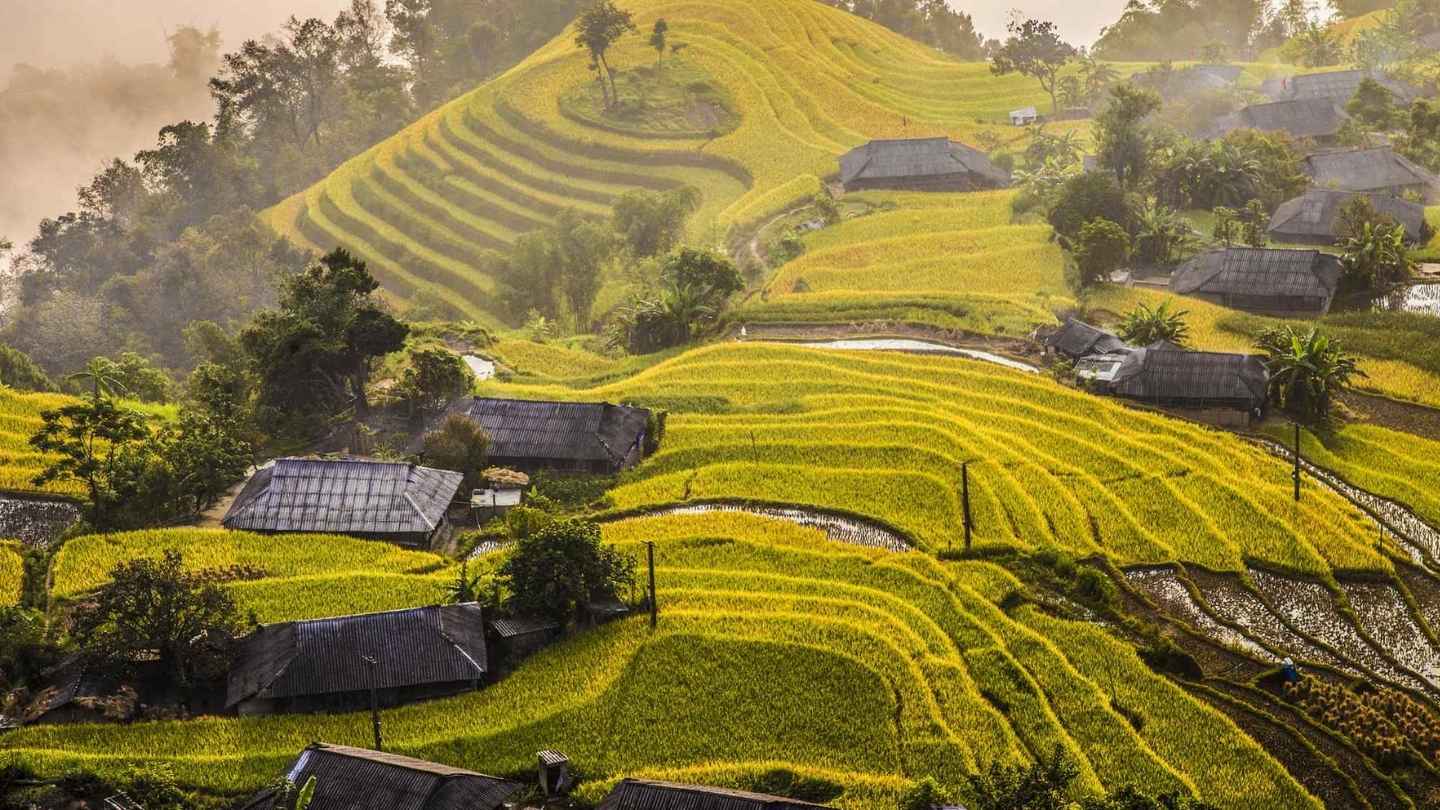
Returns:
(424,206)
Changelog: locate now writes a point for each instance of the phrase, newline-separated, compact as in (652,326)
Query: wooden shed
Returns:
(1076,339)
(1262,280)
(332,664)
(1223,389)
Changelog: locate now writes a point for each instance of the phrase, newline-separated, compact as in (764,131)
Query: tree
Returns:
(433,377)
(1161,235)
(1375,256)
(1254,224)
(560,569)
(1314,46)
(694,286)
(1044,785)
(1034,49)
(155,607)
(92,441)
(133,375)
(1145,325)
(651,223)
(596,30)
(1373,105)
(1307,370)
(1085,197)
(1124,142)
(657,41)
(18,371)
(312,356)
(1102,248)
(458,444)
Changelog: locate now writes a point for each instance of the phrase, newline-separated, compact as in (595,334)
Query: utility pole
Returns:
(1296,474)
(654,608)
(965,501)
(374,701)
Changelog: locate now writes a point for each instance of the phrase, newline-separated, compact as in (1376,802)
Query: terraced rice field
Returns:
(809,82)
(951,261)
(776,649)
(279,578)
(12,573)
(1215,328)
(882,437)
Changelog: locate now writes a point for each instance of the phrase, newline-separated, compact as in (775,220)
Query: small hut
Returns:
(570,437)
(516,637)
(1262,280)
(1076,339)
(1318,119)
(1379,171)
(919,164)
(1221,389)
(349,778)
(1340,86)
(650,794)
(1313,218)
(333,664)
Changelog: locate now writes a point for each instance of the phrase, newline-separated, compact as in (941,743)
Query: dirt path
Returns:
(1018,349)
(210,518)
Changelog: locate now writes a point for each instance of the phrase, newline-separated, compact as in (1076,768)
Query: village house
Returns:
(518,637)
(571,437)
(1317,119)
(1229,390)
(649,794)
(349,778)
(921,164)
(1262,280)
(1024,116)
(1378,171)
(1339,86)
(1076,339)
(333,664)
(73,691)
(364,498)
(1313,218)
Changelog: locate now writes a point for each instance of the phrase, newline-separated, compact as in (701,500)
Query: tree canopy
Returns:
(1035,49)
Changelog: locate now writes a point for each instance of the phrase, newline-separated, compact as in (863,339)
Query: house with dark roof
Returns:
(1223,389)
(1313,218)
(515,637)
(1340,86)
(575,437)
(1379,171)
(373,500)
(70,692)
(650,794)
(1318,119)
(352,778)
(332,664)
(919,164)
(1263,280)
(1076,339)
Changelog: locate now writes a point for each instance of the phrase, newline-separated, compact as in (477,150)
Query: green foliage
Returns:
(563,567)
(1243,166)
(1103,247)
(598,28)
(1162,237)
(1144,325)
(1315,45)
(1179,31)
(652,223)
(658,38)
(1421,141)
(925,794)
(131,376)
(433,377)
(1034,48)
(1307,370)
(156,606)
(1373,105)
(937,24)
(18,371)
(459,444)
(1084,198)
(1375,255)
(556,272)
(694,287)
(1124,140)
(94,444)
(1042,786)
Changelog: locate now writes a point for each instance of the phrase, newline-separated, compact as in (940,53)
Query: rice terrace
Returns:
(744,405)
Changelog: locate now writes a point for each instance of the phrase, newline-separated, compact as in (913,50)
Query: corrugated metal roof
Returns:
(1301,118)
(1340,85)
(431,645)
(344,496)
(1365,170)
(646,794)
(1259,272)
(512,626)
(1178,376)
(357,779)
(1077,339)
(917,157)
(556,431)
(1316,214)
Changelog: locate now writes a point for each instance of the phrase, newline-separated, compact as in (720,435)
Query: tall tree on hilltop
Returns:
(598,28)
(1034,49)
(657,40)
(1124,139)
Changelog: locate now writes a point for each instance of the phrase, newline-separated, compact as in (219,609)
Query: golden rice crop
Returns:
(12,573)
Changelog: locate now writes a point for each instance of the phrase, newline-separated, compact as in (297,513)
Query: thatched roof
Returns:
(1377,169)
(1340,85)
(350,778)
(917,158)
(648,794)
(1314,216)
(1167,375)
(1259,272)
(1300,118)
(556,431)
(1076,339)
(430,645)
(344,496)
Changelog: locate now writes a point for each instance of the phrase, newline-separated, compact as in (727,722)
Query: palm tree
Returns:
(1161,237)
(102,380)
(1318,47)
(1226,176)
(1375,256)
(1307,370)
(1145,325)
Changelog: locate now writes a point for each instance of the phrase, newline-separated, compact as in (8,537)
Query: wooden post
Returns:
(374,702)
(1296,474)
(654,608)
(965,501)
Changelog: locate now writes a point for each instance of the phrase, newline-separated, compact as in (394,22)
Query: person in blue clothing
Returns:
(1289,670)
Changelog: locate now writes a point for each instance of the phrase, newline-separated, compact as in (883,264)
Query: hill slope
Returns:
(807,83)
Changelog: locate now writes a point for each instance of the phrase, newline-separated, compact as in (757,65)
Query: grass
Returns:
(279,577)
(883,436)
(12,573)
(775,649)
(676,99)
